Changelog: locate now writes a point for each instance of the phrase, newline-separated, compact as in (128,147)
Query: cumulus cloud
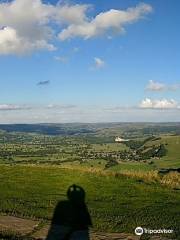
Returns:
(159,104)
(71,14)
(46,82)
(30,25)
(27,24)
(99,63)
(12,43)
(158,87)
(109,21)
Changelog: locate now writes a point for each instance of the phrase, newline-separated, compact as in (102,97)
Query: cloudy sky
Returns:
(89,61)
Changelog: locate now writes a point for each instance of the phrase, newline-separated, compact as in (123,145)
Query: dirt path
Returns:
(14,226)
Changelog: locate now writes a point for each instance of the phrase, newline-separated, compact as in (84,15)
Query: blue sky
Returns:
(89,61)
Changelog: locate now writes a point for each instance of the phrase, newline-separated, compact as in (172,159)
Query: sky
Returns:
(89,61)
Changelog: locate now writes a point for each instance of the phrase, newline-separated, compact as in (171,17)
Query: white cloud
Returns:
(12,43)
(61,106)
(30,25)
(7,107)
(27,24)
(155,86)
(85,113)
(159,104)
(158,87)
(110,21)
(71,14)
(99,63)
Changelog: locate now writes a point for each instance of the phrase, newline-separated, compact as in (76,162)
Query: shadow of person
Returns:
(71,219)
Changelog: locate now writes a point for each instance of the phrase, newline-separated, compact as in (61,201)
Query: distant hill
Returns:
(105,129)
(49,129)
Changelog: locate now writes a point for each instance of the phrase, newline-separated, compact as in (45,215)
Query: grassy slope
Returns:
(115,204)
(172,159)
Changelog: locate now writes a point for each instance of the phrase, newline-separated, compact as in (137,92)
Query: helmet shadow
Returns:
(71,219)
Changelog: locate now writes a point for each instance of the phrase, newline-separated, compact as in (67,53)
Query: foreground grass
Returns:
(115,203)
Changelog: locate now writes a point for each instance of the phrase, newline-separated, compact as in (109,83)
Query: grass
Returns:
(119,199)
(172,159)
(132,166)
(115,203)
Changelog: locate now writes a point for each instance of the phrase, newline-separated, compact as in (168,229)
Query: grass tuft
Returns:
(172,180)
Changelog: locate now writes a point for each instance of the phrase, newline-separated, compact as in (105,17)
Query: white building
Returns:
(119,139)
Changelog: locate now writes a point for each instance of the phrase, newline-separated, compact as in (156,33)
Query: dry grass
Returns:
(150,176)
(172,180)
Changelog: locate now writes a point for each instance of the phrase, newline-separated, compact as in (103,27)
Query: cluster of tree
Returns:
(111,163)
(136,144)
(144,153)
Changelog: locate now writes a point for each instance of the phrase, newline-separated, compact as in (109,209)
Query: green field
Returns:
(115,204)
(125,187)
